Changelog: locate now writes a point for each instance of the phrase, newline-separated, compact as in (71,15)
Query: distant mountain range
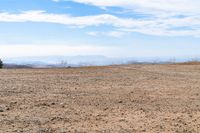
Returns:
(65,61)
(77,61)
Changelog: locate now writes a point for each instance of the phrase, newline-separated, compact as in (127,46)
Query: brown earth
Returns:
(113,99)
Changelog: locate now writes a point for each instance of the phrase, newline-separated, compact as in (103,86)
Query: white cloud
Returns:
(149,6)
(41,16)
(170,26)
(56,0)
(92,33)
(116,34)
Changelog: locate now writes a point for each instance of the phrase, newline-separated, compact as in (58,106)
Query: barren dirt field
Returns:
(112,99)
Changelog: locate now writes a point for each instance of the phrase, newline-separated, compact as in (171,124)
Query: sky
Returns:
(112,28)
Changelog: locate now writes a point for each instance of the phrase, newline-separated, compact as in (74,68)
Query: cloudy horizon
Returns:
(115,28)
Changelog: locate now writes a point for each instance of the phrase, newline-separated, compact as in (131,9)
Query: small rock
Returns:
(120,101)
(62,105)
(4,108)
(7,108)
(105,109)
(53,103)
(144,130)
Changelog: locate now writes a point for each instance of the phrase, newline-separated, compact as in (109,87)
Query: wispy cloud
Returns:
(18,50)
(56,0)
(149,6)
(169,26)
(116,34)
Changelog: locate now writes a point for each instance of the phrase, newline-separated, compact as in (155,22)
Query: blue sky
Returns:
(114,28)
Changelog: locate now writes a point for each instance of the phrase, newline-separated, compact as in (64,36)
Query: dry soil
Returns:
(112,99)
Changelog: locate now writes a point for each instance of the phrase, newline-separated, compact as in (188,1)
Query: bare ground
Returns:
(113,99)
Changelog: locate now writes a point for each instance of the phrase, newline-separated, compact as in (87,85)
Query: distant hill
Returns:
(78,61)
(12,66)
(65,61)
(189,63)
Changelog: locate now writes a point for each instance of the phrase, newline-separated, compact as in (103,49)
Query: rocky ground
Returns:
(113,99)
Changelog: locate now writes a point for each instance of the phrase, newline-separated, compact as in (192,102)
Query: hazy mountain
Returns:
(76,61)
(60,61)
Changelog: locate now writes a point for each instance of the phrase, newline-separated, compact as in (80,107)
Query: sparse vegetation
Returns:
(1,64)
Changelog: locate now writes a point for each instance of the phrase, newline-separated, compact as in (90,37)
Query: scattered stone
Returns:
(4,108)
(53,103)
(105,109)
(120,101)
(62,105)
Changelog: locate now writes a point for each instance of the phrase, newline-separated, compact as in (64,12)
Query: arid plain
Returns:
(111,99)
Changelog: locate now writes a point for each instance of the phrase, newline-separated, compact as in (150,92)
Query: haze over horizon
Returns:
(115,29)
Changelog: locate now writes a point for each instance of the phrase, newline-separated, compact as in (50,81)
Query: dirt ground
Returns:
(112,99)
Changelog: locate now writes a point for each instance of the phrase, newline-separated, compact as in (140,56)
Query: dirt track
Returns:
(118,99)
